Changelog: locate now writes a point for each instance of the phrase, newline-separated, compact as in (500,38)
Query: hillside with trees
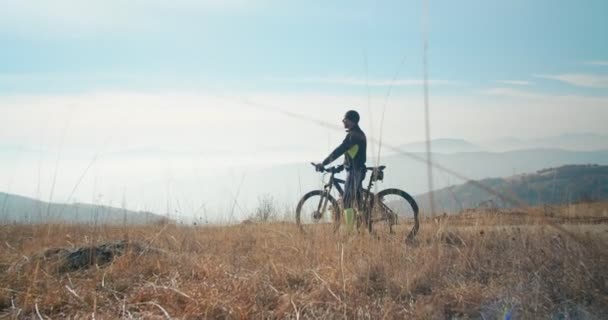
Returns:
(19,209)
(560,185)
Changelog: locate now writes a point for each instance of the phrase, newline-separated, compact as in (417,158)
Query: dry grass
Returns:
(482,269)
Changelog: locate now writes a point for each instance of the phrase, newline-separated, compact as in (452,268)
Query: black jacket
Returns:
(354,149)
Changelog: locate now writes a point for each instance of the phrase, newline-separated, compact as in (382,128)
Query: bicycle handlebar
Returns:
(336,169)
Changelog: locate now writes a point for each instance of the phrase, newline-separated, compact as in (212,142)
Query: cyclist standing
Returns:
(354,148)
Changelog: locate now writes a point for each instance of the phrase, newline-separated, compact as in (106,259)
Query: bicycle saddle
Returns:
(377,173)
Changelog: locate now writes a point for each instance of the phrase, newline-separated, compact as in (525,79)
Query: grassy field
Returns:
(482,265)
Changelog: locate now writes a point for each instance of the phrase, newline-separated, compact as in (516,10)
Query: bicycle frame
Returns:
(333,182)
(336,182)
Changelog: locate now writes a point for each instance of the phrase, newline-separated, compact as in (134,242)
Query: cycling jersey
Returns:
(354,149)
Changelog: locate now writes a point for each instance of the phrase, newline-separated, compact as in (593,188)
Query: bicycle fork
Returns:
(323,202)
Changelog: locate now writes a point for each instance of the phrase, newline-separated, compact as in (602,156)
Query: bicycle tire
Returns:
(334,210)
(413,206)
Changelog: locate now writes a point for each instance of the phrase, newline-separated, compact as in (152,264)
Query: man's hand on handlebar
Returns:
(319,167)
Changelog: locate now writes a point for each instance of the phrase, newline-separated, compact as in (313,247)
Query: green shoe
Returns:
(349,215)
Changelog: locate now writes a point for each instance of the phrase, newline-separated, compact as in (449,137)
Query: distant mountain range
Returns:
(406,171)
(233,192)
(410,173)
(571,179)
(571,142)
(19,209)
(561,185)
(443,146)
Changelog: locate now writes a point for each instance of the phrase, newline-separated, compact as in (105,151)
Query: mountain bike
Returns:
(320,209)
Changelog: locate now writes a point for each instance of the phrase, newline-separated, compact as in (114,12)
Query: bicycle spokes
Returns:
(317,209)
(387,211)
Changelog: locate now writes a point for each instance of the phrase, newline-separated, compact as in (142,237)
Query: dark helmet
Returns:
(352,115)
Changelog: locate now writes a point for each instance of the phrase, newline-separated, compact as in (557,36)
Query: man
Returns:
(354,148)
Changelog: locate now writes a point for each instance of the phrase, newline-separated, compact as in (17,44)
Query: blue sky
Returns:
(68,46)
(181,82)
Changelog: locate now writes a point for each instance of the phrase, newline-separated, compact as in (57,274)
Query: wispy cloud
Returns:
(511,93)
(547,98)
(579,79)
(358,81)
(598,63)
(514,82)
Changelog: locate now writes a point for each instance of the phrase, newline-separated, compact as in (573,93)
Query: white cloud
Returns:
(514,82)
(580,79)
(359,81)
(546,102)
(26,79)
(194,125)
(215,121)
(510,92)
(598,63)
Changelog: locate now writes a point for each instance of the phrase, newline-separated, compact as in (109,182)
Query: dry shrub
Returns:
(480,267)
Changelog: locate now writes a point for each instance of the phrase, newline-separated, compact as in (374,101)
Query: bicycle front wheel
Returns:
(318,209)
(397,205)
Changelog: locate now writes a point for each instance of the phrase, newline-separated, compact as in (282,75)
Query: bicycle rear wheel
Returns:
(318,210)
(395,206)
